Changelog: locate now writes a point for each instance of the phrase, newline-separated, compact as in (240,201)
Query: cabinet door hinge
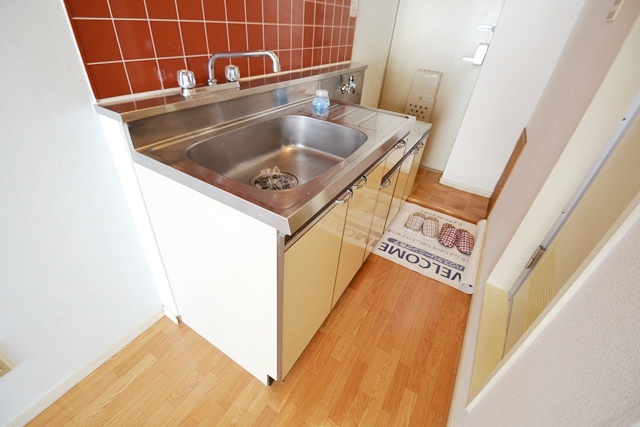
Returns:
(535,258)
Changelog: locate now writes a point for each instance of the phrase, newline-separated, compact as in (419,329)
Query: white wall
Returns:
(527,43)
(559,373)
(371,43)
(560,149)
(604,113)
(583,369)
(435,35)
(74,277)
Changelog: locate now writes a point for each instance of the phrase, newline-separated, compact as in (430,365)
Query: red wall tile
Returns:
(284,12)
(97,41)
(198,64)
(257,66)
(188,9)
(296,36)
(237,37)
(168,69)
(235,11)
(254,10)
(162,9)
(214,10)
(270,11)
(297,12)
(128,9)
(284,37)
(108,80)
(270,37)
(138,31)
(217,37)
(166,38)
(139,73)
(133,46)
(88,9)
(254,37)
(194,38)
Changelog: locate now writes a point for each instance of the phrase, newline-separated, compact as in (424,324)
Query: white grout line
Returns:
(115,30)
(153,44)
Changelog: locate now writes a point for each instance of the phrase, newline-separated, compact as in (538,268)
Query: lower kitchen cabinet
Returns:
(387,186)
(415,164)
(310,267)
(398,193)
(357,228)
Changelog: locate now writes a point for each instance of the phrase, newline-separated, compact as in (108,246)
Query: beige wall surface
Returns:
(371,44)
(435,35)
(529,39)
(548,385)
(584,367)
(587,57)
(616,185)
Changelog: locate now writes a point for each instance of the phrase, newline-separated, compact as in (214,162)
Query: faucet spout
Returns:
(249,54)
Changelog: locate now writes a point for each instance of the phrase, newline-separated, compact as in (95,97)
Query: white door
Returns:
(436,35)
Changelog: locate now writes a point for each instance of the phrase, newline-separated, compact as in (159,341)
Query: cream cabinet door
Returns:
(356,230)
(385,195)
(415,163)
(398,193)
(310,266)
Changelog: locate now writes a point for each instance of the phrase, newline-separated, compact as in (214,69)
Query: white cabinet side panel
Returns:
(223,270)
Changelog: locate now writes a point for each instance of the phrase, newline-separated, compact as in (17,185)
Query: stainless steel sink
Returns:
(299,146)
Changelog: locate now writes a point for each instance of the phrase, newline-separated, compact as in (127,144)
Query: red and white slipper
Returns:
(465,242)
(448,235)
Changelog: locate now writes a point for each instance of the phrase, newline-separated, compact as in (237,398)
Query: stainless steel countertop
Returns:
(161,129)
(286,210)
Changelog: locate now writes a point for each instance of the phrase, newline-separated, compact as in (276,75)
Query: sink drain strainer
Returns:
(273,179)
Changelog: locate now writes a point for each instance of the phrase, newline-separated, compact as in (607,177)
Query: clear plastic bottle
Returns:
(321,102)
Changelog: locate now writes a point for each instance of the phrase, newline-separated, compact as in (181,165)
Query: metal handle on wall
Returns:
(478,58)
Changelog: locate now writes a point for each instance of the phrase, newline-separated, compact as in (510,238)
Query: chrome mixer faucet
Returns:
(349,87)
(249,54)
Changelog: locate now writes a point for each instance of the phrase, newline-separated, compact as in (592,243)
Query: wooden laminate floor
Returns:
(428,192)
(386,355)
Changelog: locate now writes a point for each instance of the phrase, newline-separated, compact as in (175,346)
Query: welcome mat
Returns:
(428,257)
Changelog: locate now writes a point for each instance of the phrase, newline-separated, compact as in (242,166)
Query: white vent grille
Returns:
(423,93)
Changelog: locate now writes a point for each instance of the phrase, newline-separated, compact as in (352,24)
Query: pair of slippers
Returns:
(460,238)
(419,222)
(448,236)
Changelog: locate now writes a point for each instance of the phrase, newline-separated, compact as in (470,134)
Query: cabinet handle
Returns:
(416,149)
(345,198)
(385,184)
(361,183)
(400,144)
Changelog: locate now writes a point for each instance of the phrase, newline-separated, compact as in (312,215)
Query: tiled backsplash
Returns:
(134,46)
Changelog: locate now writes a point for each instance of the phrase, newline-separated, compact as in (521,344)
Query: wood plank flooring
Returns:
(386,355)
(428,192)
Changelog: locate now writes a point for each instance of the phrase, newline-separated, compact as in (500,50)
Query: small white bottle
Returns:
(321,103)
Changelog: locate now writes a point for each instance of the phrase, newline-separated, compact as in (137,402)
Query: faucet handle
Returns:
(232,73)
(186,81)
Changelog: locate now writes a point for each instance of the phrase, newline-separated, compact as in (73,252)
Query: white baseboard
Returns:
(67,384)
(466,188)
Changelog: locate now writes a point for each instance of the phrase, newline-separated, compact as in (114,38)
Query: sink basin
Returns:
(300,147)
